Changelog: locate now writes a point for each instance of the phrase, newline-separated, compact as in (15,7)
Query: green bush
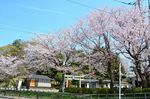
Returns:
(137,90)
(133,90)
(146,90)
(105,90)
(88,90)
(127,90)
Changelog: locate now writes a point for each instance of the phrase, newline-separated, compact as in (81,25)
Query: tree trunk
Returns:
(148,81)
(139,73)
(62,84)
(137,77)
(143,81)
(111,76)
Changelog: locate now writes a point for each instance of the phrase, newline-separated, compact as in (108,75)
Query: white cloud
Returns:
(42,10)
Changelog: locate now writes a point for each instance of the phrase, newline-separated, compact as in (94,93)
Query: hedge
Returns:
(106,90)
(88,90)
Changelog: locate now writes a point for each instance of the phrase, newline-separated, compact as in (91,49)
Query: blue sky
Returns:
(19,19)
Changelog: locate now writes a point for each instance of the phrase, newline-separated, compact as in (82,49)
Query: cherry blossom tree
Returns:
(92,36)
(130,28)
(9,66)
(51,51)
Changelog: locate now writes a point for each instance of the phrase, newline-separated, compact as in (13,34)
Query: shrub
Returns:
(88,90)
(132,90)
(146,90)
(128,90)
(137,90)
(105,90)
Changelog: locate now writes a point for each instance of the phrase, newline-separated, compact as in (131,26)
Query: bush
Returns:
(88,90)
(135,90)
(146,90)
(127,90)
(105,90)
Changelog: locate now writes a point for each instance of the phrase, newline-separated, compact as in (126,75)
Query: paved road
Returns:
(9,97)
(5,97)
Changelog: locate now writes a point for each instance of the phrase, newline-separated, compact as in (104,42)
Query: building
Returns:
(37,81)
(80,81)
(90,83)
(124,84)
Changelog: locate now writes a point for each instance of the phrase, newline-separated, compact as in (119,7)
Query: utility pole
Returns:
(149,4)
(120,81)
(138,4)
(149,9)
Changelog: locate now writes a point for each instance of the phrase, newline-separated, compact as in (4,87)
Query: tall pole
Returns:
(149,9)
(149,4)
(120,81)
(138,3)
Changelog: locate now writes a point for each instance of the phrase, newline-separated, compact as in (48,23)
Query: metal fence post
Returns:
(37,96)
(61,95)
(124,96)
(5,93)
(145,97)
(106,96)
(19,91)
(134,95)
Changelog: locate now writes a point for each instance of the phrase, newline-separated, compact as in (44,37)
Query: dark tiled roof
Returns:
(38,77)
(106,81)
(90,80)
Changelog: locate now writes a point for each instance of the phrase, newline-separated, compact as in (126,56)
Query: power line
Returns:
(81,4)
(87,6)
(130,3)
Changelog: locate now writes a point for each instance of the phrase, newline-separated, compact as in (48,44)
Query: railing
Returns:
(39,94)
(33,89)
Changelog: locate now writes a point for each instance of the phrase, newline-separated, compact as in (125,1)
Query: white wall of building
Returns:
(19,84)
(87,85)
(44,84)
(97,85)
